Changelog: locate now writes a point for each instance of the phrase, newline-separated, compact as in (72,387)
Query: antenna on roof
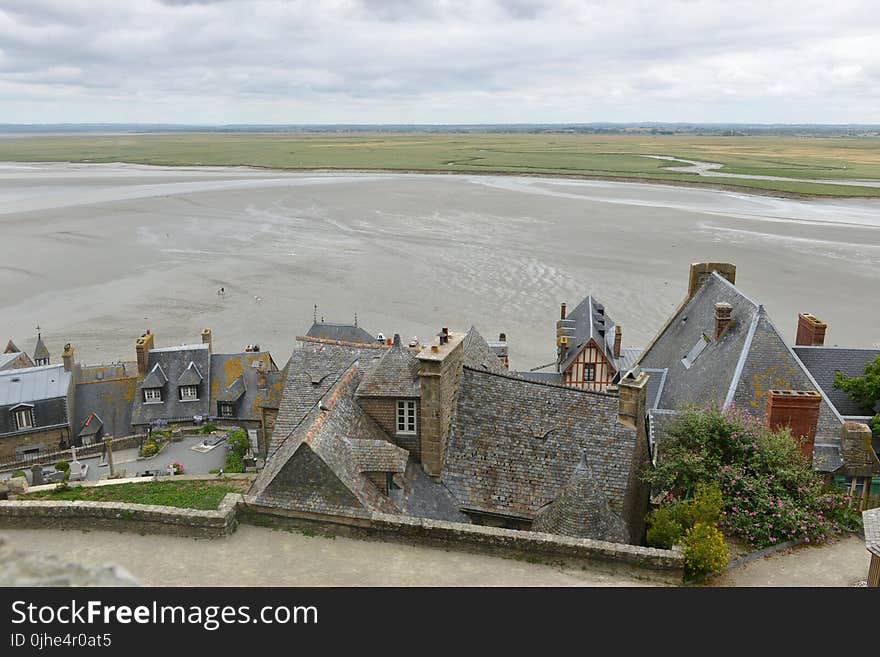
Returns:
(315,314)
(355,320)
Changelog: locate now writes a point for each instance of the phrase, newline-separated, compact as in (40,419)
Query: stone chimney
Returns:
(262,379)
(859,459)
(142,346)
(207,338)
(632,391)
(723,313)
(67,357)
(810,331)
(618,336)
(798,410)
(700,271)
(439,374)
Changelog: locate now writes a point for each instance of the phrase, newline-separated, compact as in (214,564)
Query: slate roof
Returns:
(871,521)
(11,348)
(13,360)
(542,377)
(173,362)
(423,497)
(589,322)
(823,362)
(90,426)
(372,455)
(750,358)
(395,375)
(234,379)
(191,376)
(319,467)
(40,350)
(479,355)
(581,510)
(514,444)
(109,396)
(312,370)
(341,332)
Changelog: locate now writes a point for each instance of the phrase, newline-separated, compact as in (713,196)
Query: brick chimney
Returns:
(797,409)
(439,374)
(207,338)
(810,331)
(700,271)
(142,346)
(618,336)
(67,357)
(723,313)
(632,392)
(562,311)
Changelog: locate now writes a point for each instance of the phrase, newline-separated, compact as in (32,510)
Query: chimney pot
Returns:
(67,357)
(562,311)
(797,409)
(618,337)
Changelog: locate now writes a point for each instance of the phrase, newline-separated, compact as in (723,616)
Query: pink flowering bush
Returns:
(770,492)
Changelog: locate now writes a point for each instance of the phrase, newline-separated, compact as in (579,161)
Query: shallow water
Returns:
(95,254)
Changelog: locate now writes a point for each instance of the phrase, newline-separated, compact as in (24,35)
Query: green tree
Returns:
(863,390)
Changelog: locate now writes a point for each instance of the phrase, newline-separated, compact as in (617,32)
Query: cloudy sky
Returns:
(439,61)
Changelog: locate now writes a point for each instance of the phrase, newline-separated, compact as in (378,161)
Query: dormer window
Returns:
(24,418)
(152,395)
(189,393)
(225,409)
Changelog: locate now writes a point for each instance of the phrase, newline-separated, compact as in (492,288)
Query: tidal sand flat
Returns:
(95,254)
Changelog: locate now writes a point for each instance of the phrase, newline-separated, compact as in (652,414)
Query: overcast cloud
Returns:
(422,61)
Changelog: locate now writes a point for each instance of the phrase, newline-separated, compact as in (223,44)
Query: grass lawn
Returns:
(205,495)
(596,156)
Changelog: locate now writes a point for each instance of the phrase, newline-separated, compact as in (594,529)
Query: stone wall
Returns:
(121,517)
(384,411)
(439,376)
(664,565)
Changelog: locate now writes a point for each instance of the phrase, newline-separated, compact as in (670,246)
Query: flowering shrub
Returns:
(769,491)
(664,530)
(149,449)
(177,467)
(668,523)
(704,550)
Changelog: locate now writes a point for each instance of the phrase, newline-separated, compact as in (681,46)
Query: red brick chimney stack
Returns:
(810,331)
(142,346)
(797,409)
(562,311)
(723,312)
(618,336)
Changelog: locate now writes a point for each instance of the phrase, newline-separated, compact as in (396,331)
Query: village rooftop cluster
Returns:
(356,424)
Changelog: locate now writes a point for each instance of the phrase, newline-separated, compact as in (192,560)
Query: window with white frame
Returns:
(152,395)
(406,416)
(24,418)
(189,393)
(225,409)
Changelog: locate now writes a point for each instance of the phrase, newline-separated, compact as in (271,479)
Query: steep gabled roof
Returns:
(170,364)
(320,467)
(589,321)
(191,376)
(514,444)
(91,425)
(823,362)
(11,348)
(312,370)
(479,355)
(395,375)
(156,377)
(581,510)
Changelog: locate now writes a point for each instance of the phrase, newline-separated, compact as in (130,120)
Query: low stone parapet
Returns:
(121,516)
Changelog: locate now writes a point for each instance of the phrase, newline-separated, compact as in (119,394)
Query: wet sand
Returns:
(95,254)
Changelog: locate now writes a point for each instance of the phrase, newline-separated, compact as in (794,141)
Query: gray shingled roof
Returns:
(312,370)
(341,332)
(514,443)
(11,348)
(581,510)
(173,361)
(542,377)
(90,426)
(823,362)
(110,397)
(479,355)
(43,388)
(156,378)
(590,323)
(234,379)
(191,376)
(318,468)
(376,455)
(395,375)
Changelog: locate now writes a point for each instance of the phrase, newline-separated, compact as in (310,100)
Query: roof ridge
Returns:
(511,377)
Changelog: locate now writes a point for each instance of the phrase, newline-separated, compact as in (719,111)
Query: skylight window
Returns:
(695,352)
